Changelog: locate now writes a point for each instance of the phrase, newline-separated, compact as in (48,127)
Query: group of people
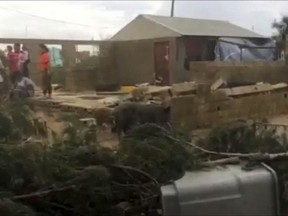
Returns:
(17,61)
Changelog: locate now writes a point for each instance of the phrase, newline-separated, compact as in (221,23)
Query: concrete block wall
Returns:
(193,112)
(81,80)
(108,77)
(209,72)
(101,78)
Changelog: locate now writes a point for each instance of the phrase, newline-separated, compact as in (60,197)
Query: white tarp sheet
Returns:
(238,49)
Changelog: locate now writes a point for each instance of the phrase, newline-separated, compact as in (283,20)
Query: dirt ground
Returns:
(105,137)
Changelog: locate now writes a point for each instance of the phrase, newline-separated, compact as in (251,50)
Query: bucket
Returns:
(127,89)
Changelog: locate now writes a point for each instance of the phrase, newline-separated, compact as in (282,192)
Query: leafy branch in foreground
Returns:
(76,176)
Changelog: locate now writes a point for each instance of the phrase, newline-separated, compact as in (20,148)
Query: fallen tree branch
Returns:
(42,193)
(258,157)
(231,160)
(190,144)
(137,171)
(232,157)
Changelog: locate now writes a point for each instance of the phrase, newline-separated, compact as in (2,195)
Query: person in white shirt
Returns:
(24,88)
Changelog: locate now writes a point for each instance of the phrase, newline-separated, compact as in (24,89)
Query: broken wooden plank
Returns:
(157,91)
(280,86)
(244,90)
(142,84)
(218,84)
(184,88)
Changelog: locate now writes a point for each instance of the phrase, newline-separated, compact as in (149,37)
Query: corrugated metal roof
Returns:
(202,27)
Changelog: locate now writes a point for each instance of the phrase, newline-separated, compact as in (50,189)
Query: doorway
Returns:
(161,61)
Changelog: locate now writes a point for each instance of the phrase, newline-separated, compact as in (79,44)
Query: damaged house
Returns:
(164,46)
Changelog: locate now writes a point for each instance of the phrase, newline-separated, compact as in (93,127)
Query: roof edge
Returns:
(139,15)
(152,20)
(147,16)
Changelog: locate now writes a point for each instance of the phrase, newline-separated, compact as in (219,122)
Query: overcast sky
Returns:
(99,19)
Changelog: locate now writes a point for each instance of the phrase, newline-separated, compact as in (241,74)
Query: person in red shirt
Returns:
(45,70)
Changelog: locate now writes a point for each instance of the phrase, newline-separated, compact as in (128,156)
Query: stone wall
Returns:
(272,72)
(193,112)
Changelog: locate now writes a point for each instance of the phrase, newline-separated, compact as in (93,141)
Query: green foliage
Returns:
(76,176)
(97,179)
(241,137)
(18,123)
(10,208)
(278,25)
(244,138)
(150,149)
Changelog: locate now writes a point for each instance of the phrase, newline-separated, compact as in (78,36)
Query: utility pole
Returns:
(172,8)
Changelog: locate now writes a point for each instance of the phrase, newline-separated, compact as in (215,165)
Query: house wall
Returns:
(135,64)
(134,60)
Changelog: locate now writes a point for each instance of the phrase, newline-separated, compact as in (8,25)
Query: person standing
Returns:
(9,50)
(25,60)
(14,63)
(45,70)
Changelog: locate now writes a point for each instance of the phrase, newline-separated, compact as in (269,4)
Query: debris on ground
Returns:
(184,88)
(57,87)
(218,84)
(253,89)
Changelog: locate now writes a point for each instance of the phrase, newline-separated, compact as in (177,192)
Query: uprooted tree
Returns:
(76,176)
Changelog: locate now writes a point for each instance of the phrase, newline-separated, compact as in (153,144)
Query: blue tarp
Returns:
(56,57)
(237,49)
